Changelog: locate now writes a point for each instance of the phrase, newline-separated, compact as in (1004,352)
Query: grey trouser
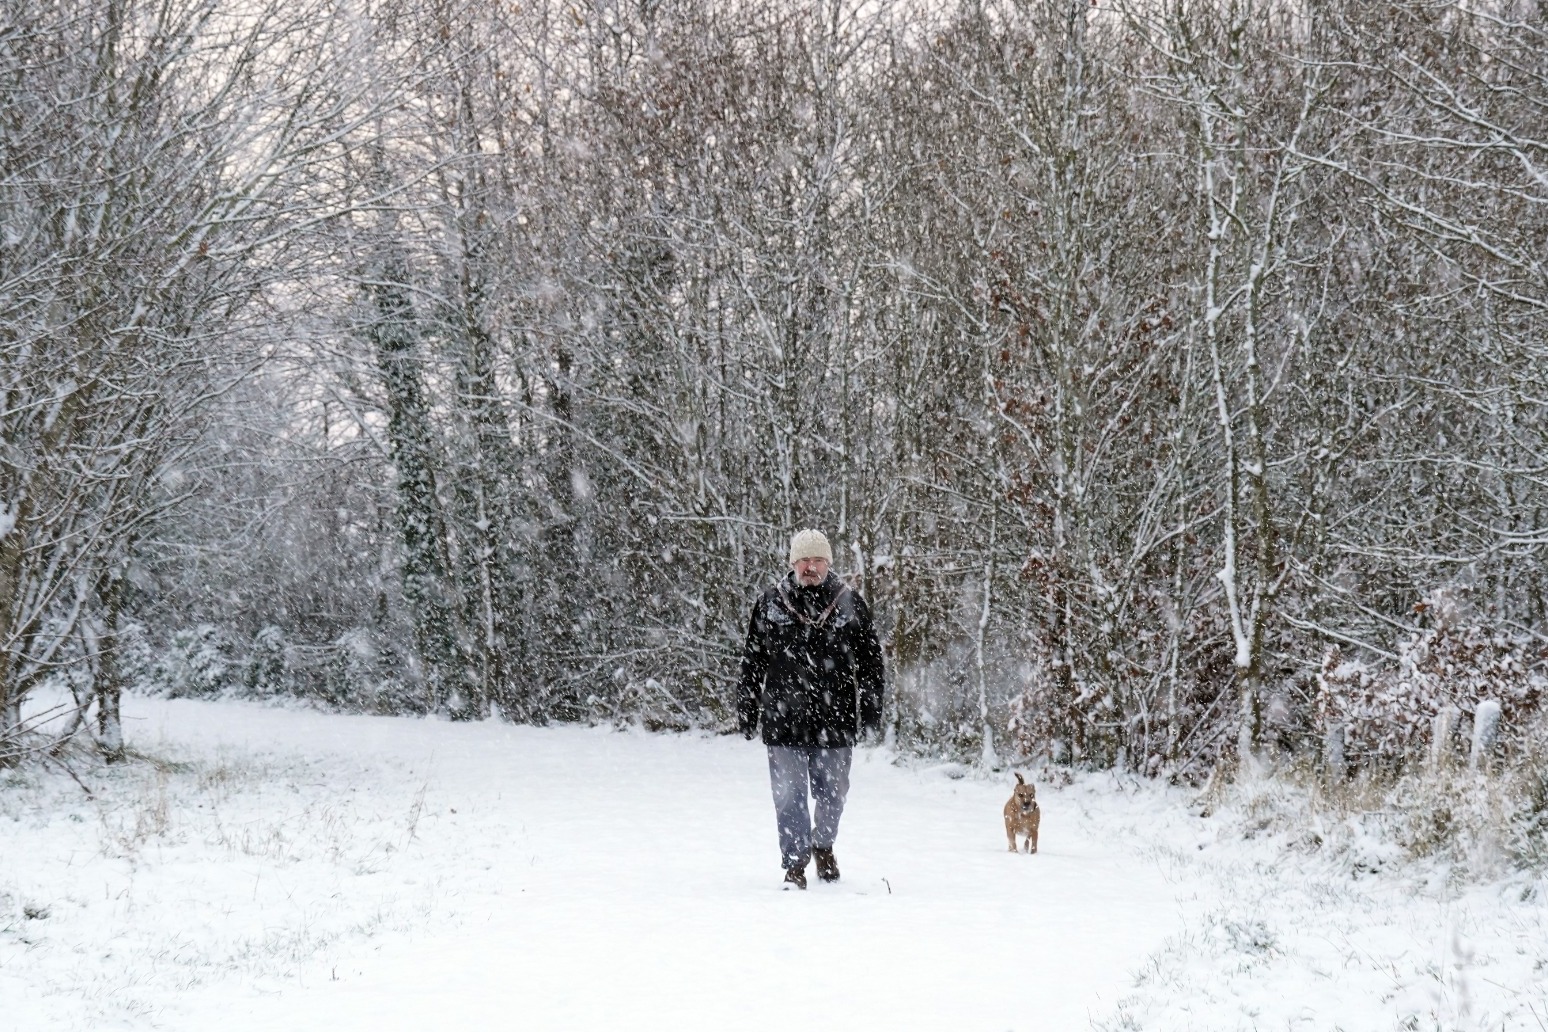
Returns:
(791,771)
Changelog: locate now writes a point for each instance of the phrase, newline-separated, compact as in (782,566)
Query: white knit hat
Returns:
(810,544)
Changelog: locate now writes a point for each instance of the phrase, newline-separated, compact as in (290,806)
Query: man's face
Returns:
(811,572)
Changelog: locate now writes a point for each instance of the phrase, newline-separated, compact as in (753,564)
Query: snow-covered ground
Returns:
(265,868)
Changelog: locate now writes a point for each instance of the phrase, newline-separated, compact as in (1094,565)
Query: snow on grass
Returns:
(1307,924)
(262,868)
(175,874)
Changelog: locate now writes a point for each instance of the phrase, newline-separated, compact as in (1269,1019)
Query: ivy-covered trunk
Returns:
(426,587)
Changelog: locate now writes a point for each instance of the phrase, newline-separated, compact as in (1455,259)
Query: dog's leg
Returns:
(1010,834)
(1037,818)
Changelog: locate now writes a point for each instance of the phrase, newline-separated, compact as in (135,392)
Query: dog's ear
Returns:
(1019,779)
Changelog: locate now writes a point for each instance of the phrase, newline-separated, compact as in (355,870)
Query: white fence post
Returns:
(1440,736)
(1333,759)
(1486,730)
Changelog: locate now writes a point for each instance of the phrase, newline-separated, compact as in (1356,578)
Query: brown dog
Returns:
(1022,815)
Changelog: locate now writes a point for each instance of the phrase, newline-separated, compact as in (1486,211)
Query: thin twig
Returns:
(66,768)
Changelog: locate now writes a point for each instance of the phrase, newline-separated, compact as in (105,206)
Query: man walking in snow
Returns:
(812,677)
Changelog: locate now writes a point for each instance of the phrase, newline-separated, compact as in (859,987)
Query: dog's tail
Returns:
(1019,779)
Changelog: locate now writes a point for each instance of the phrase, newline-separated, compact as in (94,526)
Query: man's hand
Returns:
(749,731)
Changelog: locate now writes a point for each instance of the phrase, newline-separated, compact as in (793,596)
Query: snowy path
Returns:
(630,880)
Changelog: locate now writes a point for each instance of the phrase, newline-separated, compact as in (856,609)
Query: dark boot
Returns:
(827,867)
(795,877)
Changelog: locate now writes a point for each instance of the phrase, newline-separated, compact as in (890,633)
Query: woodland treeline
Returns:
(474,358)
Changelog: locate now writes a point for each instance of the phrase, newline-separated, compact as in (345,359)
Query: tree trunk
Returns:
(109,686)
(426,586)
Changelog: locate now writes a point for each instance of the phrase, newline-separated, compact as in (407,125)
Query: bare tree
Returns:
(151,169)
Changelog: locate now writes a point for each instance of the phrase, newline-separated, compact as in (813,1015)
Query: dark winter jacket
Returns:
(812,667)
